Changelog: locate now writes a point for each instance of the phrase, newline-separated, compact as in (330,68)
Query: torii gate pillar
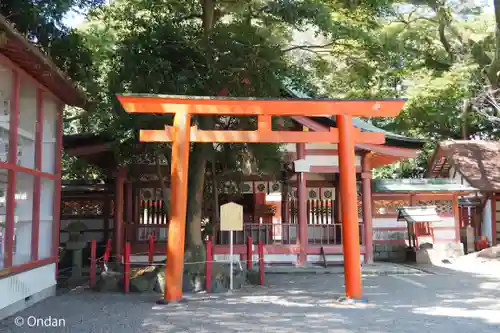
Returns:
(348,195)
(181,134)
(177,225)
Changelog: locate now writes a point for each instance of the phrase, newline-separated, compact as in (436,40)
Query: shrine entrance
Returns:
(181,134)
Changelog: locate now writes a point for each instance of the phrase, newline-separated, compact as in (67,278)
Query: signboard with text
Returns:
(231,217)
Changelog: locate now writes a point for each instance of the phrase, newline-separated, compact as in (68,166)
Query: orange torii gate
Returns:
(181,134)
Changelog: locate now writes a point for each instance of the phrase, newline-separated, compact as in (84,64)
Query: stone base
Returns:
(152,279)
(347,300)
(165,302)
(390,252)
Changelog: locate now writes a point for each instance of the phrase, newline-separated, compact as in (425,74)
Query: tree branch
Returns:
(308,47)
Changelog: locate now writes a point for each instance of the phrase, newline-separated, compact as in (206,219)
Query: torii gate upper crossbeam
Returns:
(181,134)
(216,106)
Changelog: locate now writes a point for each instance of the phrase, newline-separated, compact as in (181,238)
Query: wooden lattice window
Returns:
(82,207)
(442,206)
(389,207)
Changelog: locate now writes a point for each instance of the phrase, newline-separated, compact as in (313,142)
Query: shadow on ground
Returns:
(448,301)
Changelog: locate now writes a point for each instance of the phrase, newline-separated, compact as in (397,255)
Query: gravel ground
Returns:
(445,302)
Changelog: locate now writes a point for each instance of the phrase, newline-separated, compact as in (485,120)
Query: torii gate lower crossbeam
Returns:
(181,134)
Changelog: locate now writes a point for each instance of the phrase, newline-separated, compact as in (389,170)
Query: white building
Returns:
(33,94)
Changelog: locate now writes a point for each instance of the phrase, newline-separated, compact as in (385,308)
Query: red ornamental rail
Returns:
(208,268)
(285,234)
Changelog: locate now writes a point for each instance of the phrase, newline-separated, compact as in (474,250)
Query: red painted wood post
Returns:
(208,268)
(261,262)
(126,268)
(249,253)
(93,262)
(107,253)
(151,249)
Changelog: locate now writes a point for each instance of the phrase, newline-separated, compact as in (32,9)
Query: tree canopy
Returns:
(442,55)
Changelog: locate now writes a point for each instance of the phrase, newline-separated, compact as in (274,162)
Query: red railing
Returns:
(138,233)
(329,234)
(285,234)
(267,233)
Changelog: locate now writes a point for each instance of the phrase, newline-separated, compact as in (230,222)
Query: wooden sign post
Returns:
(231,219)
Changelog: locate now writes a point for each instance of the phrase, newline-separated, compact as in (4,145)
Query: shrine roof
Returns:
(96,149)
(417,214)
(430,185)
(34,62)
(392,139)
(476,160)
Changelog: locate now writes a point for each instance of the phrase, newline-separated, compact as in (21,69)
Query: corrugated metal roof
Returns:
(418,214)
(420,185)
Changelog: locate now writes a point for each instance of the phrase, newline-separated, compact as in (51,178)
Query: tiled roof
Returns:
(477,161)
(29,58)
(420,185)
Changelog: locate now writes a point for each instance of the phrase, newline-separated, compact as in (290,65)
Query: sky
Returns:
(74,19)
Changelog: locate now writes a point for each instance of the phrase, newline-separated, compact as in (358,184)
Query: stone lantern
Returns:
(76,244)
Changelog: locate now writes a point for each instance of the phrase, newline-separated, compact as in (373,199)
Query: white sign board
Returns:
(231,217)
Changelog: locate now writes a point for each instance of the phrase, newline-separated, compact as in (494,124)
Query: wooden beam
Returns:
(260,136)
(205,105)
(89,150)
(392,151)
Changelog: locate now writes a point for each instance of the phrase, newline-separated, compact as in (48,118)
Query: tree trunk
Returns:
(197,166)
(195,251)
(465,119)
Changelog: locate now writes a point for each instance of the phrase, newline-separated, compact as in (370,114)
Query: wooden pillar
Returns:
(118,218)
(129,216)
(10,201)
(456,215)
(179,191)
(366,178)
(349,211)
(302,238)
(285,209)
(35,226)
(106,214)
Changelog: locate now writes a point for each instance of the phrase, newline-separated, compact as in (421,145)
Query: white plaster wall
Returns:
(292,147)
(18,287)
(328,160)
(387,222)
(446,234)
(391,222)
(486,222)
(315,176)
